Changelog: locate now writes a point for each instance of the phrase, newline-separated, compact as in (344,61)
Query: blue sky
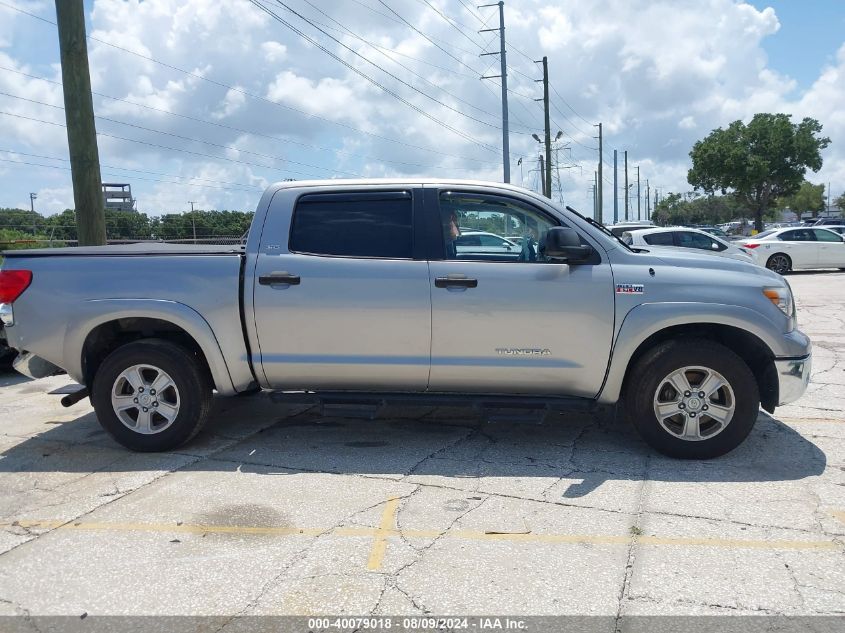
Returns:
(811,32)
(262,104)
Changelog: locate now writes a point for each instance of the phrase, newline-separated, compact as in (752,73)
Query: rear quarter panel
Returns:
(71,295)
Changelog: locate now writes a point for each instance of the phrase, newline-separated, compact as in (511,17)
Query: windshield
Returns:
(764,234)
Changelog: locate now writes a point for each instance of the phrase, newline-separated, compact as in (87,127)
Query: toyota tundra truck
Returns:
(365,292)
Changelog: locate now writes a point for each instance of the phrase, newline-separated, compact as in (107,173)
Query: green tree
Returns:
(809,197)
(758,162)
(692,208)
(840,202)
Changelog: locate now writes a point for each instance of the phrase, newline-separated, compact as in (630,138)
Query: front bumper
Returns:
(793,377)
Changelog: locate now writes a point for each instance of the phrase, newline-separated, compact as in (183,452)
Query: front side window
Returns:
(370,225)
(825,235)
(492,228)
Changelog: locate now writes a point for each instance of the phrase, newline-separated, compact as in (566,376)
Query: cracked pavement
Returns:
(274,509)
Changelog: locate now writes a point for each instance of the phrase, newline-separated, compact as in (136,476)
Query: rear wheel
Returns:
(779,263)
(692,399)
(151,395)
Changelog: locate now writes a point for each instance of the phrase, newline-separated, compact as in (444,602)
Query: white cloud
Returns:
(274,51)
(232,102)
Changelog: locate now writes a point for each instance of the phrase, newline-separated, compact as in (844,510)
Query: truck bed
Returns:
(195,288)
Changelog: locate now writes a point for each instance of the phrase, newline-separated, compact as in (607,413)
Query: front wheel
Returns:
(692,399)
(151,395)
(779,263)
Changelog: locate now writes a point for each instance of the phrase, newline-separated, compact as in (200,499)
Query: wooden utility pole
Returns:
(548,129)
(79,116)
(626,185)
(600,180)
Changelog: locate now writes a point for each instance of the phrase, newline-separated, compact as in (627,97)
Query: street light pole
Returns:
(32,197)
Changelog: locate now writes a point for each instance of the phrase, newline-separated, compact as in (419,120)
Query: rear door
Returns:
(512,322)
(801,246)
(341,299)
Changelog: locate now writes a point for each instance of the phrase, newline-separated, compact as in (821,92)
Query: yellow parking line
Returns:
(388,518)
(386,531)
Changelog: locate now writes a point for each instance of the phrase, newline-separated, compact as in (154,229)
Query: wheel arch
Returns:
(731,326)
(89,341)
(747,346)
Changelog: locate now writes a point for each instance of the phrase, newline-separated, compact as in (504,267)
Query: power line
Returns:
(250,132)
(453,24)
(372,80)
(378,49)
(427,38)
(140,171)
(250,94)
(175,149)
(188,138)
(20,162)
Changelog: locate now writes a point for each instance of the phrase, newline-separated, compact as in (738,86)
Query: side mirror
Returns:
(714,246)
(564,244)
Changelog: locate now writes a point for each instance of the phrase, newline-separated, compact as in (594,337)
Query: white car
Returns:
(484,242)
(797,248)
(678,237)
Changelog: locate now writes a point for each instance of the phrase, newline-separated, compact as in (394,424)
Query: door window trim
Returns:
(395,193)
(437,246)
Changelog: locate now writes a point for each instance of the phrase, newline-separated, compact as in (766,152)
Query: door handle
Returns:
(451,282)
(279,278)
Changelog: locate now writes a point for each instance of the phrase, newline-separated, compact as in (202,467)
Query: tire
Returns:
(650,389)
(174,414)
(779,263)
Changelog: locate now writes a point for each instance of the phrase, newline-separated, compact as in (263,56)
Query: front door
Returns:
(831,249)
(343,303)
(512,322)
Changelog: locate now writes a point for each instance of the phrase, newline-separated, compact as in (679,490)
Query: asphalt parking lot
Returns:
(276,510)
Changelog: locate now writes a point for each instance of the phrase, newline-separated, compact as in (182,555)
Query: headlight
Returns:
(782,297)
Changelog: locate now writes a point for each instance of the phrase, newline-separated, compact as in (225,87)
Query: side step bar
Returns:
(493,408)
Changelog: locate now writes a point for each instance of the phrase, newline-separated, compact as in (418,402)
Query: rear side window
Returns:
(659,239)
(371,225)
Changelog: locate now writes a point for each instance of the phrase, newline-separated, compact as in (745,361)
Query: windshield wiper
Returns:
(604,229)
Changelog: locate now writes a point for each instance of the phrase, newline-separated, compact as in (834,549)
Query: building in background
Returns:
(118,197)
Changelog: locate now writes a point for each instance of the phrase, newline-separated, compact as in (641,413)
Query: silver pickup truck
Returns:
(353,292)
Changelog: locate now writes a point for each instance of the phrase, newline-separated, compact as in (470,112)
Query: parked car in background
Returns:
(484,242)
(621,227)
(714,230)
(800,248)
(829,222)
(686,238)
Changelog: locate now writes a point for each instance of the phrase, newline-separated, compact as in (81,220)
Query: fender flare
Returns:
(648,319)
(96,312)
